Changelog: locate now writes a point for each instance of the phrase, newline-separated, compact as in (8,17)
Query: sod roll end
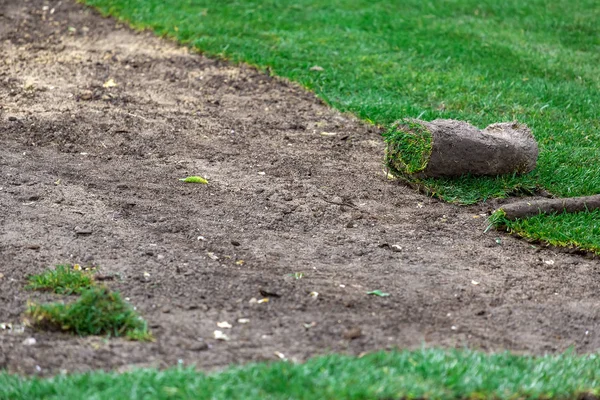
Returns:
(451,148)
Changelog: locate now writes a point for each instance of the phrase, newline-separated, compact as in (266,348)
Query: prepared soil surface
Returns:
(89,174)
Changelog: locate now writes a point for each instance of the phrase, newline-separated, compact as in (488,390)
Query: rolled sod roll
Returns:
(530,208)
(450,148)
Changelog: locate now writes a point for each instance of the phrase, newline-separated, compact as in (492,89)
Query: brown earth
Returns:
(90,175)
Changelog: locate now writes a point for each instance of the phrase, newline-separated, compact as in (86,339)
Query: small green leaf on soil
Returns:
(378,293)
(298,275)
(194,179)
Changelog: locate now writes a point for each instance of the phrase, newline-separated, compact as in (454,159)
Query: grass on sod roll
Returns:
(482,61)
(420,374)
(408,148)
(64,279)
(97,312)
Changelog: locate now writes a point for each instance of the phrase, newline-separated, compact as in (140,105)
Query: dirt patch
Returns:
(89,174)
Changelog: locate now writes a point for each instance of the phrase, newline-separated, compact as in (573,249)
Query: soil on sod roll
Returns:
(90,174)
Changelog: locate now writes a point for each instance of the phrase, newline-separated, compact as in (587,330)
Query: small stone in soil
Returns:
(235,243)
(200,346)
(353,333)
(86,95)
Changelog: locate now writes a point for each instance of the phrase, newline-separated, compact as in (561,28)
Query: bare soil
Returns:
(89,174)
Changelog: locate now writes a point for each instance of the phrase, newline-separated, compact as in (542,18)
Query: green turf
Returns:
(426,374)
(483,61)
(579,230)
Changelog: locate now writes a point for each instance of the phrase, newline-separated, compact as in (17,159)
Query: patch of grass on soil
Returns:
(422,374)
(64,279)
(97,312)
(580,230)
(481,61)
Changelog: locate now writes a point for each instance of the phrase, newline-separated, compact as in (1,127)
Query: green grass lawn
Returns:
(421,374)
(483,61)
